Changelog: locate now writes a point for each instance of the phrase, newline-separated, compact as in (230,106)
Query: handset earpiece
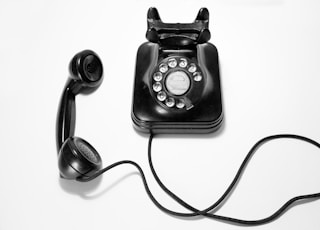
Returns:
(87,71)
(77,158)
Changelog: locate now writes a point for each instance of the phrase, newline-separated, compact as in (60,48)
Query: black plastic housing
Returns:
(150,116)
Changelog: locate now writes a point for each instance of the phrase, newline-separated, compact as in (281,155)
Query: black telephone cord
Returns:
(208,211)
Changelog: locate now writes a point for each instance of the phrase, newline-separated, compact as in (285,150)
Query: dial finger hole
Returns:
(161,96)
(163,68)
(172,63)
(170,102)
(192,68)
(183,63)
(180,104)
(197,76)
(157,87)
(157,76)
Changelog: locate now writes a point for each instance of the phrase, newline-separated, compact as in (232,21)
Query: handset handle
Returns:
(66,117)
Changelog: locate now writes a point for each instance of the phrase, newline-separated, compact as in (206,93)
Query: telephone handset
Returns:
(177,82)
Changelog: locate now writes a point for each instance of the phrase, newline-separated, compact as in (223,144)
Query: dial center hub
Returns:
(177,82)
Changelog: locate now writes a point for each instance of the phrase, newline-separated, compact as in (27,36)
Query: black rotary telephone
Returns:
(176,90)
(177,82)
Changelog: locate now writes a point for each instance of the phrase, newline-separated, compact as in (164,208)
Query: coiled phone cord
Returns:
(208,211)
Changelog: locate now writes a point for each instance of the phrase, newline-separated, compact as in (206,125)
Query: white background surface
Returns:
(269,56)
